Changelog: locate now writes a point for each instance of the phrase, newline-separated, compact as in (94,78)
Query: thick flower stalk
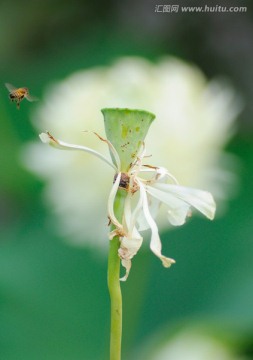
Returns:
(137,192)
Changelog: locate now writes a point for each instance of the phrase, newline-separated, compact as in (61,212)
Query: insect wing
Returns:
(31,98)
(10,87)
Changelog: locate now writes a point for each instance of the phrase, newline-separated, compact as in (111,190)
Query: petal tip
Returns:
(167,262)
(44,138)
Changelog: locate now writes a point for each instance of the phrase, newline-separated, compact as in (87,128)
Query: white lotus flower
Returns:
(191,343)
(151,193)
(195,121)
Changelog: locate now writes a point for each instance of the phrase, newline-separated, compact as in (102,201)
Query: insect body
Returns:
(18,94)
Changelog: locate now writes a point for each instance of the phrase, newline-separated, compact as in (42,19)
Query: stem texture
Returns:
(114,283)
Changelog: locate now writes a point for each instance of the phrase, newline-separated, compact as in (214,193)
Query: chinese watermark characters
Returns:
(199,9)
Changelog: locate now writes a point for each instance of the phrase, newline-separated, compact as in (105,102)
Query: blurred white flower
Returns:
(194,120)
(192,344)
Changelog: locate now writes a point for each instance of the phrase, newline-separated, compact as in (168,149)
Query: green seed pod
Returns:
(126,129)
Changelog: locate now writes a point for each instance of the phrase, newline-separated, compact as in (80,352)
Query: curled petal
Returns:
(110,205)
(47,138)
(116,232)
(113,233)
(129,247)
(127,265)
(155,244)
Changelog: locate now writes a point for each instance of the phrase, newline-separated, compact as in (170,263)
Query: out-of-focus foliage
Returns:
(53,297)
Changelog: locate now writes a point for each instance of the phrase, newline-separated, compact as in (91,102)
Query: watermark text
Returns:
(199,9)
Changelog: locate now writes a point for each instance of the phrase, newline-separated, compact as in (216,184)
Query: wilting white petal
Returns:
(111,199)
(51,140)
(132,241)
(129,247)
(154,206)
(142,222)
(164,174)
(155,243)
(174,196)
(135,214)
(130,244)
(127,211)
(127,265)
(178,216)
(178,209)
(203,201)
(161,175)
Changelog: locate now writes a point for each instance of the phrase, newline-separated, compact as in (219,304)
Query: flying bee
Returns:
(18,94)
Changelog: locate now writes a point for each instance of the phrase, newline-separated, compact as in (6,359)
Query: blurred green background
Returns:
(53,297)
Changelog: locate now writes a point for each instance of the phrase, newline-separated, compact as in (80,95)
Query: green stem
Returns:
(114,283)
